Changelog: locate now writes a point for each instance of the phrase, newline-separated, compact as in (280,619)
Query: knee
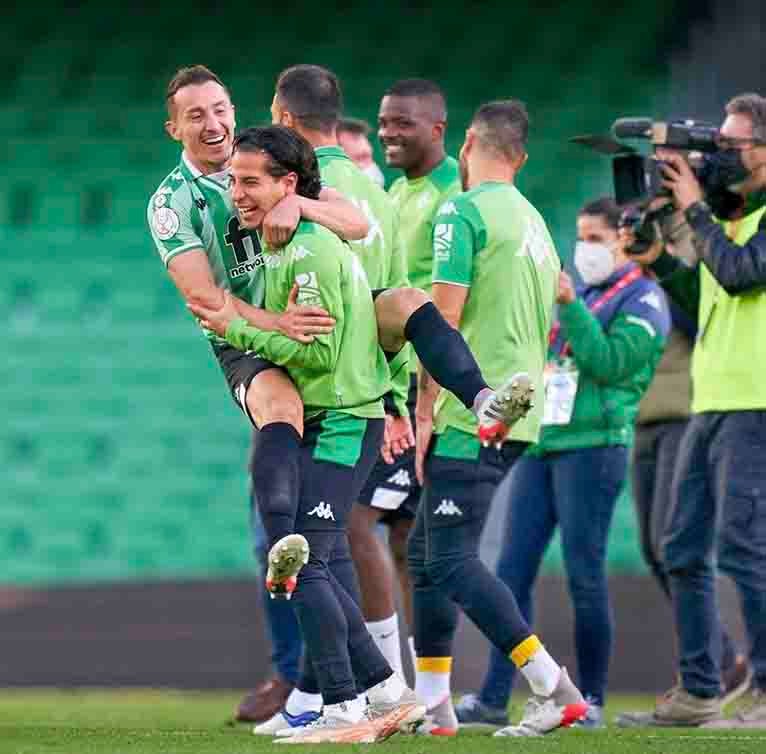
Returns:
(393,308)
(281,404)
(446,573)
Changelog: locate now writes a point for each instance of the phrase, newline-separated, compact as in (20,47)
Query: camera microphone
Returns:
(633,128)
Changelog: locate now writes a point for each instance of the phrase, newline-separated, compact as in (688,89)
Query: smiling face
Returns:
(203,121)
(253,190)
(407,131)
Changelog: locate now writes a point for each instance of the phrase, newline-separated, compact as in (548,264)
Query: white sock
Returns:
(299,702)
(385,633)
(390,690)
(433,685)
(542,672)
(351,711)
(413,653)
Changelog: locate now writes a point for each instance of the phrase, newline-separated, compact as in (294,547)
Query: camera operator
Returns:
(719,487)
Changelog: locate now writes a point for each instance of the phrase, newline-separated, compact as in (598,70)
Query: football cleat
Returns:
(500,410)
(286,558)
(564,707)
(284,721)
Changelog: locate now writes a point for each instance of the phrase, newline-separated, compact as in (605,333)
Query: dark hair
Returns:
(754,106)
(313,95)
(354,126)
(422,89)
(288,152)
(191,75)
(605,207)
(503,126)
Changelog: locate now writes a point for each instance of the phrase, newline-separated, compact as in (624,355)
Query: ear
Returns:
(438,130)
(172,130)
(286,119)
(522,161)
(290,183)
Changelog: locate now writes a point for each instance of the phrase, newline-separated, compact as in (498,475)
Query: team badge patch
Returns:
(165,222)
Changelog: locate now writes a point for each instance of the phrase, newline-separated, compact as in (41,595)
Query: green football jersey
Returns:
(495,243)
(417,202)
(189,211)
(381,252)
(345,370)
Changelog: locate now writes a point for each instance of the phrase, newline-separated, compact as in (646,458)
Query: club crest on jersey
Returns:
(308,289)
(160,200)
(165,222)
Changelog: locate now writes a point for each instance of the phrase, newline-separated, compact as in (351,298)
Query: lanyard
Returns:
(599,303)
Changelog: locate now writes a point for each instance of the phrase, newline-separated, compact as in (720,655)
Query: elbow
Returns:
(358,229)
(207,296)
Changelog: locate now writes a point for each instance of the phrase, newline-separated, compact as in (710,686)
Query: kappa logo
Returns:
(375,230)
(322,510)
(448,208)
(301,253)
(535,243)
(422,202)
(401,478)
(201,203)
(448,508)
(443,234)
(652,299)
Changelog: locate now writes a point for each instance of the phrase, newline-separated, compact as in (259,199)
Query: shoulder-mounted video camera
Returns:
(637,175)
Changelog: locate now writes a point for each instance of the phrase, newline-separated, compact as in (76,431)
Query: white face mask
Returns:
(374,172)
(593,261)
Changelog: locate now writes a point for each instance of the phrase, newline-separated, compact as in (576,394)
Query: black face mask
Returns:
(720,171)
(724,169)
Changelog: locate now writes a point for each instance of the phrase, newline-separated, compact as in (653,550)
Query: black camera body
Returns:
(637,177)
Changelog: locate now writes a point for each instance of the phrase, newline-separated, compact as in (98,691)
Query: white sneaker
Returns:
(440,720)
(500,410)
(286,558)
(335,726)
(393,703)
(284,723)
(544,714)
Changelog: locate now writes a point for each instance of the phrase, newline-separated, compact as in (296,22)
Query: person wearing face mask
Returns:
(354,139)
(718,518)
(608,339)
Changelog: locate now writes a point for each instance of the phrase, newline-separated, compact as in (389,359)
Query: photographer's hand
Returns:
(680,179)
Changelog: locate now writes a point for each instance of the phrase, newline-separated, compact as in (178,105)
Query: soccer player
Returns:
(412,123)
(495,273)
(354,139)
(341,377)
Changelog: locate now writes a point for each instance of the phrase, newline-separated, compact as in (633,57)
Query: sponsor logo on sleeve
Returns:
(443,233)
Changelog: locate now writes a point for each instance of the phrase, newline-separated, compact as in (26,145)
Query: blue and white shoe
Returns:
(472,712)
(284,721)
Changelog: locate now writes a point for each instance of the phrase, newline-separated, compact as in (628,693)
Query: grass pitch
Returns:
(171,722)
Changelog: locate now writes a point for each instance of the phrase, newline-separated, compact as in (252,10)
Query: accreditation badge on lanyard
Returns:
(560,376)
(560,383)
